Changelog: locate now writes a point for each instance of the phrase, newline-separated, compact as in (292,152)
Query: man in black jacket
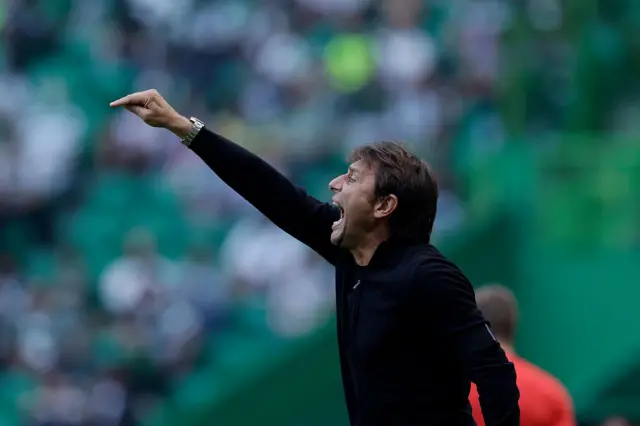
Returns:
(410,335)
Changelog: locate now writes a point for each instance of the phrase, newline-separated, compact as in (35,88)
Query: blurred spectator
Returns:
(131,146)
(543,398)
(203,286)
(303,299)
(136,277)
(36,176)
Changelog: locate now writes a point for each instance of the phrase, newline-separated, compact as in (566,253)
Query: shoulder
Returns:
(552,388)
(435,272)
(557,391)
(439,284)
(444,294)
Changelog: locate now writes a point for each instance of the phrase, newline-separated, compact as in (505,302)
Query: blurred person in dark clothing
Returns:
(410,335)
(202,285)
(29,33)
(544,401)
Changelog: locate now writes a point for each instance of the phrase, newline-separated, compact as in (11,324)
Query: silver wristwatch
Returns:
(195,129)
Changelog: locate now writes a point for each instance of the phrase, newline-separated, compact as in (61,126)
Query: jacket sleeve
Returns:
(476,410)
(453,316)
(286,205)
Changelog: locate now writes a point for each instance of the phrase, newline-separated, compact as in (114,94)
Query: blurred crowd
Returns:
(300,83)
(122,254)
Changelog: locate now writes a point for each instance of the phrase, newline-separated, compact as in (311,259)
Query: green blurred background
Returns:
(136,288)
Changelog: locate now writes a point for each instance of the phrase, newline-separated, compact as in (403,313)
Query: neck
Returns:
(363,252)
(507,347)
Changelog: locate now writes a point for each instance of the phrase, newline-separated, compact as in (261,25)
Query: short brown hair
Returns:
(499,307)
(401,173)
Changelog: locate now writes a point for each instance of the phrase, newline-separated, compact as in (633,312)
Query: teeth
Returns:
(337,223)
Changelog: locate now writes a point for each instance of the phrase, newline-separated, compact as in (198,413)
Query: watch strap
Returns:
(195,129)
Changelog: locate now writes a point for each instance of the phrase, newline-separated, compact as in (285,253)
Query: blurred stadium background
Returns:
(135,288)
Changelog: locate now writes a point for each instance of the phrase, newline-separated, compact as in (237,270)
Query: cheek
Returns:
(362,208)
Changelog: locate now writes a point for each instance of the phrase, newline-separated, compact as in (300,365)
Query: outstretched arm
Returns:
(289,207)
(286,205)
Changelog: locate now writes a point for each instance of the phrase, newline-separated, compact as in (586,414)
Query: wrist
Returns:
(180,126)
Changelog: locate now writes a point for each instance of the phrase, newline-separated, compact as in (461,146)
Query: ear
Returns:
(385,206)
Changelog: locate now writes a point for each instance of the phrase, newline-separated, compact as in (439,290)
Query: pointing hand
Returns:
(154,110)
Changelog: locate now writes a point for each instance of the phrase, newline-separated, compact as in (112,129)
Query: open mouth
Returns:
(338,223)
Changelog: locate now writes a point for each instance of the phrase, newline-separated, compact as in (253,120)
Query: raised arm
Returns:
(287,206)
(453,314)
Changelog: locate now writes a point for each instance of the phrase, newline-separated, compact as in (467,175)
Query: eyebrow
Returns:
(353,170)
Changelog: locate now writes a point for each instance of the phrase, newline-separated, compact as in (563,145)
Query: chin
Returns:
(337,237)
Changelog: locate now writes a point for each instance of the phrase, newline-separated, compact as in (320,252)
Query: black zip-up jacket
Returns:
(410,335)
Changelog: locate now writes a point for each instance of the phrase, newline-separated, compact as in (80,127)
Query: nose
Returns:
(336,184)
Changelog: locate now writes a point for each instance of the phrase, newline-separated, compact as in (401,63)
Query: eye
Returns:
(351,179)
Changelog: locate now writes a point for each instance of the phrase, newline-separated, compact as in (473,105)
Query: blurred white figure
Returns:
(36,345)
(40,164)
(407,55)
(266,259)
(133,139)
(106,402)
(283,57)
(303,300)
(59,401)
(139,272)
(479,25)
(258,253)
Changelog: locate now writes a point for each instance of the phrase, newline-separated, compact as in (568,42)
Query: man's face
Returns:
(354,196)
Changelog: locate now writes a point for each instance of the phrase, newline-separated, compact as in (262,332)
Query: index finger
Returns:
(131,99)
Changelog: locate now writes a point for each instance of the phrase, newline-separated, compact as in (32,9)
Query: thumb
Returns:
(138,110)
